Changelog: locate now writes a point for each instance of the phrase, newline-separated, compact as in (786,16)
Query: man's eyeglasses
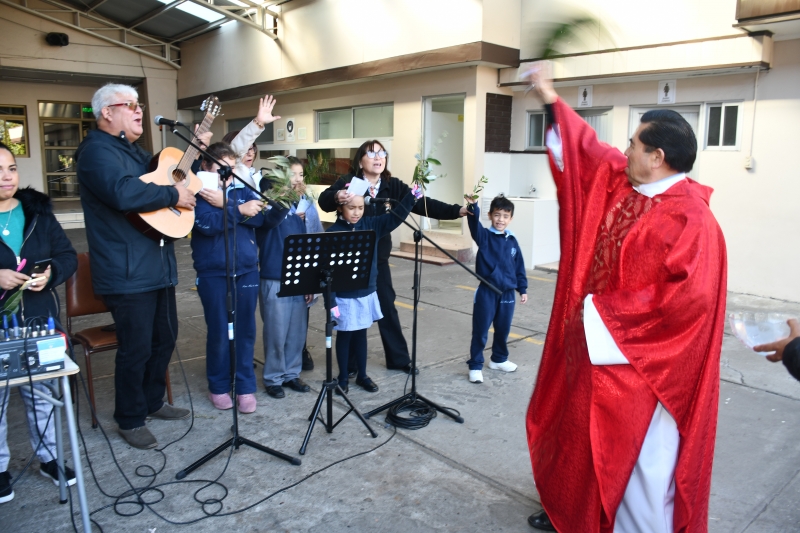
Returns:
(130,105)
(380,153)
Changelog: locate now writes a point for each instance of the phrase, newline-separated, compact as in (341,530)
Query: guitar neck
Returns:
(191,153)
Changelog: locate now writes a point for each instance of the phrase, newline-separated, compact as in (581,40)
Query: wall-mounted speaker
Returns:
(57,39)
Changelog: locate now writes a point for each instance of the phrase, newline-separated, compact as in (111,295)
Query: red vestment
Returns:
(657,269)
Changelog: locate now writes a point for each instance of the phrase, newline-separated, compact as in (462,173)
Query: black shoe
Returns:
(308,363)
(6,492)
(406,369)
(297,384)
(276,391)
(540,521)
(367,384)
(50,470)
(346,389)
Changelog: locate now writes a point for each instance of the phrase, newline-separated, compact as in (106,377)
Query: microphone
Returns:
(369,199)
(161,121)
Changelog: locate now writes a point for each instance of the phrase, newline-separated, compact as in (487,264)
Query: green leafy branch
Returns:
(422,172)
(280,176)
(476,191)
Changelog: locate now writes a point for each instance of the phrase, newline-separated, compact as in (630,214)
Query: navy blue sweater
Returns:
(208,237)
(382,225)
(499,258)
(270,236)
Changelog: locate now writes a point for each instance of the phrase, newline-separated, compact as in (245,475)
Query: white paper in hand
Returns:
(303,205)
(358,186)
(210,180)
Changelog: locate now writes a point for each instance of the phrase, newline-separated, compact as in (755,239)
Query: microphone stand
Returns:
(236,439)
(413,396)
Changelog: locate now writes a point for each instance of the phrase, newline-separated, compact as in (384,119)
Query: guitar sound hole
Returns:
(178,175)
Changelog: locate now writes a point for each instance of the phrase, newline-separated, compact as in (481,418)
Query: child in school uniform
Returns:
(307,211)
(500,262)
(285,319)
(357,310)
(208,252)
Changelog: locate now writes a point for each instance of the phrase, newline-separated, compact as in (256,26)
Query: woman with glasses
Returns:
(371,163)
(243,142)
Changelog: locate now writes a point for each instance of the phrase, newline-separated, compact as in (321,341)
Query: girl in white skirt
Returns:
(355,311)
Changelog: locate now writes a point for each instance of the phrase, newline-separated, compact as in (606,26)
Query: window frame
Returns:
(352,110)
(20,118)
(528,115)
(723,105)
(249,119)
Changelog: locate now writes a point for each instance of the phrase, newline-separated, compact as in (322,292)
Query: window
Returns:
(267,136)
(365,122)
(536,128)
(600,121)
(63,125)
(14,129)
(722,126)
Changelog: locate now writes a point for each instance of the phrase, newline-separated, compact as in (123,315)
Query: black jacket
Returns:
(43,239)
(396,190)
(791,358)
(123,260)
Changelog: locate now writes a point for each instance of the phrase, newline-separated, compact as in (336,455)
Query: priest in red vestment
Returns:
(622,422)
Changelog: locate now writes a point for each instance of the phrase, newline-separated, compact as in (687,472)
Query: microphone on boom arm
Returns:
(161,121)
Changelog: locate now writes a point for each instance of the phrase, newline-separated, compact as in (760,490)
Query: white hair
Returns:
(107,94)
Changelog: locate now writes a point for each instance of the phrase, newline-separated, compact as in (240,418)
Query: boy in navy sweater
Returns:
(500,262)
(285,319)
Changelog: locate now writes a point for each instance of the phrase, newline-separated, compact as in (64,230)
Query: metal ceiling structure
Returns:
(153,28)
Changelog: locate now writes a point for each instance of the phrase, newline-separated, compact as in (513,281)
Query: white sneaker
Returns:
(505,366)
(475,376)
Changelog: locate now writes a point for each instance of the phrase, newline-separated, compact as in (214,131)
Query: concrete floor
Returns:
(454,477)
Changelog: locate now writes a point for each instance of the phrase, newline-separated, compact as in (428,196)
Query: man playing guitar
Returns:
(135,275)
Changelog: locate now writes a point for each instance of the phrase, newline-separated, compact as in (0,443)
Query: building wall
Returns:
(627,23)
(324,34)
(23,46)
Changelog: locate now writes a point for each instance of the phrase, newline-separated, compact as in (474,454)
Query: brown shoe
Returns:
(139,438)
(168,412)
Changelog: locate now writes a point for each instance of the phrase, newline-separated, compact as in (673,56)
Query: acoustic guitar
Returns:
(170,167)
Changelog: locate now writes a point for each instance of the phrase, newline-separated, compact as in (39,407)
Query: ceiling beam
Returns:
(95,4)
(154,13)
(194,32)
(261,26)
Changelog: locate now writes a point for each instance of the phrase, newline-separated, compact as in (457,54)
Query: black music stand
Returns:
(336,261)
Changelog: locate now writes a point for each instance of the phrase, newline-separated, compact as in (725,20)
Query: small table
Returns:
(70,368)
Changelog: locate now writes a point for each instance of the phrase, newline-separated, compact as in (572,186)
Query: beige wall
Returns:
(23,46)
(628,22)
(324,34)
(755,208)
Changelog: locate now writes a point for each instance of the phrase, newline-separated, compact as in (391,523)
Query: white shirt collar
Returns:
(660,186)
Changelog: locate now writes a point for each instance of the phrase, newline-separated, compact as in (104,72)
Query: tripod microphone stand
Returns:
(413,396)
(236,440)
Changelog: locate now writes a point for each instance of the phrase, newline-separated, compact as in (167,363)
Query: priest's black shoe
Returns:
(276,391)
(297,384)
(367,384)
(346,389)
(540,521)
(406,369)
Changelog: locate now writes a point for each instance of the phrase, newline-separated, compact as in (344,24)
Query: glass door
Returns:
(63,127)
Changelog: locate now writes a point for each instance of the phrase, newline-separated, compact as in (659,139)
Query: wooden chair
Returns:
(82,301)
